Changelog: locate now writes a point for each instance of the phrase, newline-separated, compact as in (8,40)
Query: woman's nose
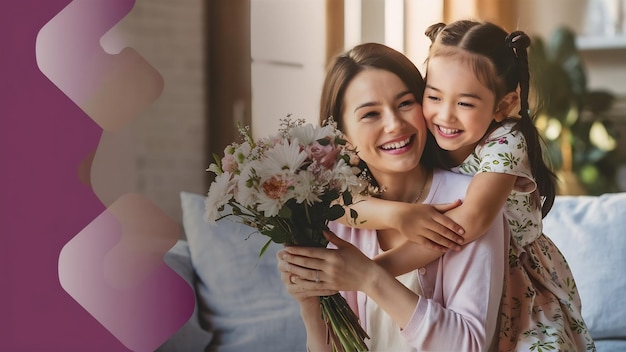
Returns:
(393,121)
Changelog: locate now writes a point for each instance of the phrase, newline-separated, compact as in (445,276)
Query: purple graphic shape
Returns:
(44,139)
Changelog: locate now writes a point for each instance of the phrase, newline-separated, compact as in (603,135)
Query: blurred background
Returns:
(255,61)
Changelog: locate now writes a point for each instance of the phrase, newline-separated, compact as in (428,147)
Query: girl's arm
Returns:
(486,195)
(424,224)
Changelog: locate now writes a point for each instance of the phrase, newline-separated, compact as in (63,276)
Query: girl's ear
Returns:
(506,106)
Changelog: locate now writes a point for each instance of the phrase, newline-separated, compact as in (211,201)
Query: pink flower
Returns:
(276,186)
(229,164)
(323,155)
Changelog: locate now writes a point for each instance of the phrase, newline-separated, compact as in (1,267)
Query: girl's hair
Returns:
(343,68)
(500,61)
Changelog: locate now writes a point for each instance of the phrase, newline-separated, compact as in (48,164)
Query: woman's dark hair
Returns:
(500,62)
(343,68)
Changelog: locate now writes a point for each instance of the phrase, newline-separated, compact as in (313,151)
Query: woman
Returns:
(374,93)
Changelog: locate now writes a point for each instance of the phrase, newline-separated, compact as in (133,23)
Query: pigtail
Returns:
(433,31)
(546,179)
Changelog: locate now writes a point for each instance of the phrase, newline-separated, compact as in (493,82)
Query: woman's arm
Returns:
(310,310)
(461,315)
(346,268)
(464,310)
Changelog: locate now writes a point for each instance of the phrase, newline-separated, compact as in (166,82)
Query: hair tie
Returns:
(433,30)
(518,40)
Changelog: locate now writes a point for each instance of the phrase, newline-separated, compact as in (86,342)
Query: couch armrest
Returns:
(191,336)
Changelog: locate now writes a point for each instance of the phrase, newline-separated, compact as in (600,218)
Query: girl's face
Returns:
(458,108)
(384,121)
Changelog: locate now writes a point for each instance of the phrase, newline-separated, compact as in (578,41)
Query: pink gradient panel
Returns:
(111,89)
(114,268)
(77,276)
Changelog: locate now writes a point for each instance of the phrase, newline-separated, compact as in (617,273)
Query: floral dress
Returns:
(541,308)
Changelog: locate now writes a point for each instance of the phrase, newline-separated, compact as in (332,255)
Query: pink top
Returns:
(458,310)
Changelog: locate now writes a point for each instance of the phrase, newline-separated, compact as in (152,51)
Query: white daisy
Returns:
(285,157)
(220,192)
(307,134)
(306,189)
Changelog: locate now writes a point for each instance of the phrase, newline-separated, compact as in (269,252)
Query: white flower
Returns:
(344,176)
(214,169)
(247,185)
(307,134)
(219,194)
(306,188)
(242,152)
(285,157)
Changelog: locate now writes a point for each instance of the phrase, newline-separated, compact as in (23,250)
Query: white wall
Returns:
(288,61)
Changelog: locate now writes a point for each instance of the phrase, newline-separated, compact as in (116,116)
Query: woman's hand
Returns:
(293,282)
(427,225)
(308,271)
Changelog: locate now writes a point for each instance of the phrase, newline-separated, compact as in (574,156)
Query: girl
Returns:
(476,75)
(374,93)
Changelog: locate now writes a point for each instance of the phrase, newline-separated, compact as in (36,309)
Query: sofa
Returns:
(243,306)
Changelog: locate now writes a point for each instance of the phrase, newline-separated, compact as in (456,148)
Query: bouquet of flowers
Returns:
(288,187)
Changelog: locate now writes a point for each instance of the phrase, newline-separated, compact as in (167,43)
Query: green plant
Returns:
(571,117)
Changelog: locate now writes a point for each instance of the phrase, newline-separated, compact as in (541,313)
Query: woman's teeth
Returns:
(396,145)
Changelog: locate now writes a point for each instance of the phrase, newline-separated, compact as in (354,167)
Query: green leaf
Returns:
(323,141)
(285,212)
(265,246)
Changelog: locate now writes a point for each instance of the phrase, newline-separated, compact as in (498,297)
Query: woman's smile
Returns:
(398,146)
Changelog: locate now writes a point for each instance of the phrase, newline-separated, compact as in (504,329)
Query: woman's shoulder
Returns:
(448,186)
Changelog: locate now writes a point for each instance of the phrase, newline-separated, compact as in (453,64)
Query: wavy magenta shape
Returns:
(114,267)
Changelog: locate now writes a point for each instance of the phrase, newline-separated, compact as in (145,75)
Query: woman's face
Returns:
(384,121)
(458,108)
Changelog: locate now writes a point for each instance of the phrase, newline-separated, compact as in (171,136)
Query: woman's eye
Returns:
(407,103)
(369,115)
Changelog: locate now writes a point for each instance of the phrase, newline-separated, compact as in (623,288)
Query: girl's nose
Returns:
(446,113)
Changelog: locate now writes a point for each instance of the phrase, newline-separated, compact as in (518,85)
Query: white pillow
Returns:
(242,300)
(591,233)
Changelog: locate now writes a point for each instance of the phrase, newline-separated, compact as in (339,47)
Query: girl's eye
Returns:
(432,98)
(466,105)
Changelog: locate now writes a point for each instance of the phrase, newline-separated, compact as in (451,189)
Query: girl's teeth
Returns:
(448,130)
(396,145)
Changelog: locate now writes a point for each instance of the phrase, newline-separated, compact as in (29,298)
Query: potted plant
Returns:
(572,118)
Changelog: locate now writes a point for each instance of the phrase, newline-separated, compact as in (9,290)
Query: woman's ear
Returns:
(505,106)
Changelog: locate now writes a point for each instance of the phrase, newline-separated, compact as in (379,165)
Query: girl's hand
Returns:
(427,225)
(308,271)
